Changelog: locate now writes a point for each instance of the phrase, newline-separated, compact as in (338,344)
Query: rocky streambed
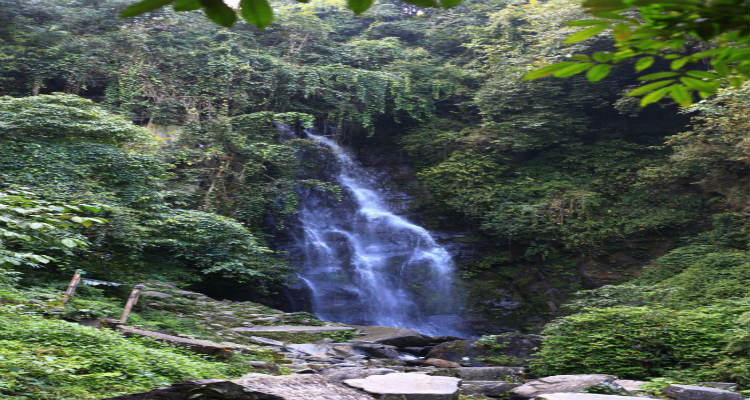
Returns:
(317,360)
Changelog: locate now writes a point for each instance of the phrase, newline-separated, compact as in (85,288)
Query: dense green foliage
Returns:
(57,360)
(684,33)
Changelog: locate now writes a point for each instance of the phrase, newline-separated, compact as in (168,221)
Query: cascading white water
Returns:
(363,264)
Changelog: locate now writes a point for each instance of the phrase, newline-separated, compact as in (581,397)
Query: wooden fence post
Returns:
(72,286)
(131,302)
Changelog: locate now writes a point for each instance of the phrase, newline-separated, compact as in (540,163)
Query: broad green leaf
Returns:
(621,32)
(422,3)
(703,74)
(585,34)
(598,72)
(359,6)
(643,63)
(219,12)
(602,56)
(143,7)
(450,3)
(679,63)
(697,84)
(587,22)
(186,5)
(654,96)
(546,71)
(257,12)
(572,70)
(681,95)
(657,75)
(647,88)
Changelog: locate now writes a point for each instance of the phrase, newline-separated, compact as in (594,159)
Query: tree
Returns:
(705,44)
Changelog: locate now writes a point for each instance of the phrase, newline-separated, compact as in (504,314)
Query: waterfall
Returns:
(364,264)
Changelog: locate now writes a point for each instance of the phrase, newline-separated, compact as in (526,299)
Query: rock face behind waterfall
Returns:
(361,263)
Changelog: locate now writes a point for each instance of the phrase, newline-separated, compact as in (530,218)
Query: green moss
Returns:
(45,359)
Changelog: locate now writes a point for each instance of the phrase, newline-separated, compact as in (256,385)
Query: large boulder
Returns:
(486,388)
(255,387)
(399,337)
(408,386)
(560,384)
(689,392)
(581,396)
(510,348)
(482,373)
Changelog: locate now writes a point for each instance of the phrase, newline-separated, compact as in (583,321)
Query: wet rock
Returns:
(486,388)
(255,387)
(720,385)
(436,362)
(378,350)
(155,294)
(408,386)
(630,386)
(399,337)
(264,341)
(511,348)
(417,351)
(326,349)
(690,392)
(341,375)
(268,366)
(581,396)
(560,384)
(482,373)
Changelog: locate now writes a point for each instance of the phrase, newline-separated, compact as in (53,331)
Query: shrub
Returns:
(641,342)
(50,359)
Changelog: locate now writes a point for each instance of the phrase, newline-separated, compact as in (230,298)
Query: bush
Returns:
(50,359)
(641,342)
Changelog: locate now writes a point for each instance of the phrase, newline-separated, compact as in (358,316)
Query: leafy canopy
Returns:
(256,12)
(705,44)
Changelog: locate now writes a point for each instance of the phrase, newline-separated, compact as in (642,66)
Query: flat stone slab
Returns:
(199,346)
(291,329)
(400,337)
(582,396)
(408,386)
(560,384)
(690,392)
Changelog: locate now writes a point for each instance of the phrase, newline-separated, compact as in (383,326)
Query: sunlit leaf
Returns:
(186,5)
(598,72)
(654,96)
(219,12)
(681,95)
(359,6)
(572,70)
(650,87)
(256,12)
(546,71)
(643,63)
(585,34)
(657,75)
